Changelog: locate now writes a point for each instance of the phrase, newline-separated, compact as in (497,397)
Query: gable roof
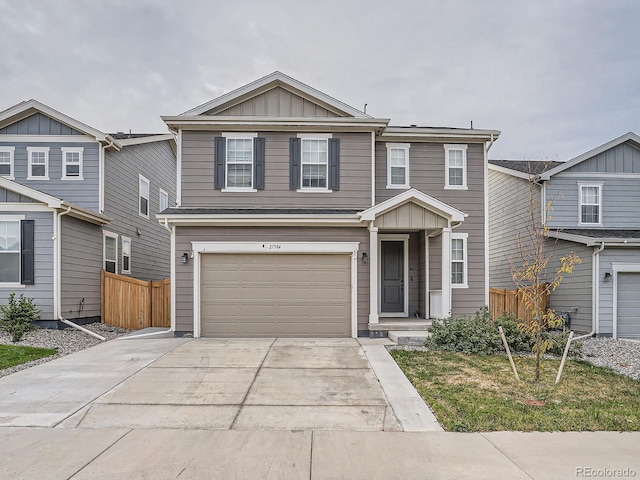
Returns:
(273,80)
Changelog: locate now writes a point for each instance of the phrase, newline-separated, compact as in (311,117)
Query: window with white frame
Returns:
(315,162)
(164,200)
(459,260)
(590,204)
(397,165)
(6,162)
(239,163)
(9,250)
(143,193)
(126,255)
(72,163)
(110,252)
(456,165)
(38,163)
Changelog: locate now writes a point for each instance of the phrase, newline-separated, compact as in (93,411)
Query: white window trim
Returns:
(105,234)
(142,178)
(590,184)
(165,194)
(30,151)
(465,262)
(11,151)
(398,146)
(447,148)
(80,152)
(241,136)
(14,218)
(314,136)
(126,239)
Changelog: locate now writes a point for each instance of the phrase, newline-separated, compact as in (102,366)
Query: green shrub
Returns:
(559,341)
(16,316)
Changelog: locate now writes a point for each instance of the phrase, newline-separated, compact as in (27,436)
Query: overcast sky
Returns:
(556,77)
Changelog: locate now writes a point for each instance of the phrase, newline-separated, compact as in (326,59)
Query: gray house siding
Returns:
(198,175)
(184,272)
(81,262)
(42,289)
(620,159)
(7,196)
(38,124)
(151,249)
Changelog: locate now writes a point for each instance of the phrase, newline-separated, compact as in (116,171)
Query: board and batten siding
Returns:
(81,262)
(38,124)
(151,250)
(42,289)
(198,175)
(608,256)
(184,272)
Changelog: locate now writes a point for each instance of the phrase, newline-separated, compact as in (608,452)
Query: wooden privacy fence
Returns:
(503,301)
(135,304)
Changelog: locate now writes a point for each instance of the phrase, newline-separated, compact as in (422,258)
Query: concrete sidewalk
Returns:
(28,453)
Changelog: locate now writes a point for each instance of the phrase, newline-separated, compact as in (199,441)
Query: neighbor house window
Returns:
(456,166)
(164,200)
(315,162)
(143,192)
(397,165)
(126,255)
(38,163)
(6,162)
(239,163)
(590,204)
(72,163)
(110,252)
(9,250)
(459,259)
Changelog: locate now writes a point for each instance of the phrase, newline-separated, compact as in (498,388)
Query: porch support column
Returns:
(427,299)
(373,273)
(446,272)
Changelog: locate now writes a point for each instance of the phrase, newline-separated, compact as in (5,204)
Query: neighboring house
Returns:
(595,213)
(74,200)
(299,215)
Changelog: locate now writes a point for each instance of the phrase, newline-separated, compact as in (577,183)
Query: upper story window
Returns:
(239,163)
(459,260)
(6,162)
(143,193)
(72,163)
(456,166)
(110,252)
(398,165)
(38,163)
(9,250)
(315,162)
(590,204)
(164,200)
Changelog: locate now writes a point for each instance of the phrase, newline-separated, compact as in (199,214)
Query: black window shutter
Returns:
(258,163)
(27,240)
(334,164)
(294,163)
(220,160)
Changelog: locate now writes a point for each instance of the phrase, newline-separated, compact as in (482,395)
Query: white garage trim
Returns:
(271,247)
(624,268)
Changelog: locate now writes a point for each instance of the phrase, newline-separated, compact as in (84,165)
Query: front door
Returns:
(392,276)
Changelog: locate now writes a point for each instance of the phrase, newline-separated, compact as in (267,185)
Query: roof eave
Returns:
(203,122)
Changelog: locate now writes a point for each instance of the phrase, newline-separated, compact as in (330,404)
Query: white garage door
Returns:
(628,305)
(261,295)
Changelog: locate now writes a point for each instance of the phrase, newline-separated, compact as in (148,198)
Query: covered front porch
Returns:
(410,261)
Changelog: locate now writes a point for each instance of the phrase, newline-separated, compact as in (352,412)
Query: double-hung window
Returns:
(6,162)
(110,252)
(72,163)
(398,165)
(459,260)
(143,193)
(456,165)
(239,163)
(164,200)
(38,163)
(315,162)
(9,250)
(126,255)
(590,204)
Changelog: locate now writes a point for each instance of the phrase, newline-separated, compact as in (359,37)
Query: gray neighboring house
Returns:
(75,200)
(596,214)
(299,215)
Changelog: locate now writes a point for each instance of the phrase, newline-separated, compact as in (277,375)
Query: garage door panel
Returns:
(628,308)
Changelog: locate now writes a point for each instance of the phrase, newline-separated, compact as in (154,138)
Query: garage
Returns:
(267,295)
(628,307)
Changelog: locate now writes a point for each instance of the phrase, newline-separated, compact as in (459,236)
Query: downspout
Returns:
(595,292)
(486,220)
(103,152)
(373,169)
(57,265)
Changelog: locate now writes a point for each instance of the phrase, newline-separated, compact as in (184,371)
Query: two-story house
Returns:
(75,200)
(594,211)
(299,215)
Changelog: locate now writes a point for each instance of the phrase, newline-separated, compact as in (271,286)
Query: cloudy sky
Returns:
(556,77)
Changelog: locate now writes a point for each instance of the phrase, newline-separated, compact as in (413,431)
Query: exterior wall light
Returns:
(185,257)
(607,276)
(365,257)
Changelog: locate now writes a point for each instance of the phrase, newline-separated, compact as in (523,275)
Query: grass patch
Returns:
(471,393)
(12,355)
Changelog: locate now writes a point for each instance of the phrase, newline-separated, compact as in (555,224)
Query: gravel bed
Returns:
(66,341)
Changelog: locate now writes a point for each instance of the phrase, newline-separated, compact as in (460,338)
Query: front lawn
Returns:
(12,355)
(470,393)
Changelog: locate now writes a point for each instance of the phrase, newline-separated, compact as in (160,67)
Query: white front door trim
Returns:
(617,268)
(394,237)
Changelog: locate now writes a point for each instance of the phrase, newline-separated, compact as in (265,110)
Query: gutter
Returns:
(487,279)
(595,292)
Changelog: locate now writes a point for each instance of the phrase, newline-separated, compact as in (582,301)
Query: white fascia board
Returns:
(274,124)
(86,215)
(350,220)
(272,80)
(416,134)
(513,173)
(51,201)
(591,241)
(274,247)
(150,139)
(592,153)
(24,207)
(426,201)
